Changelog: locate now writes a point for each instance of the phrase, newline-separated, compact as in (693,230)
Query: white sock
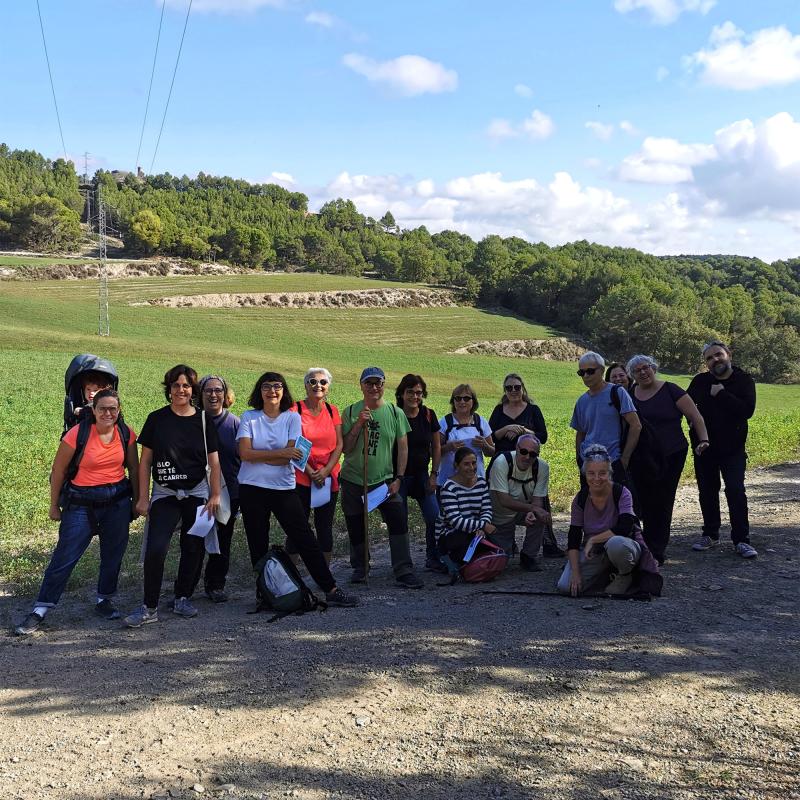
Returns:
(41,610)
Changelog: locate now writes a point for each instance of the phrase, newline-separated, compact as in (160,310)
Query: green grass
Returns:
(41,261)
(43,324)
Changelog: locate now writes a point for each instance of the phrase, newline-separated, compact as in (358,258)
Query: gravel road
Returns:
(439,693)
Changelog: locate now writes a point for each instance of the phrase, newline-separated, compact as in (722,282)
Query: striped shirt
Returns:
(463,509)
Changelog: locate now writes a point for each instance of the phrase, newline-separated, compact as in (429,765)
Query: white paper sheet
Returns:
(377,496)
(202,524)
(320,495)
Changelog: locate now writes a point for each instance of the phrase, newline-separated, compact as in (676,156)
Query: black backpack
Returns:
(327,405)
(647,459)
(509,459)
(281,589)
(450,424)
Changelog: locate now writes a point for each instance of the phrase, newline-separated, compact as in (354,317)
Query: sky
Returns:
(672,126)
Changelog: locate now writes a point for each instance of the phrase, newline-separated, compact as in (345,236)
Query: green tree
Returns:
(146,232)
(417,262)
(45,224)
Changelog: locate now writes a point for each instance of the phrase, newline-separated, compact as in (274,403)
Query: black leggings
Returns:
(658,499)
(257,505)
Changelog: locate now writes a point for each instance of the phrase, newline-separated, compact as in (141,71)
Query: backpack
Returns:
(509,459)
(327,405)
(648,456)
(280,587)
(483,561)
(451,424)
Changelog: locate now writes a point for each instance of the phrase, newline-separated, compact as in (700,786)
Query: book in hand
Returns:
(304,446)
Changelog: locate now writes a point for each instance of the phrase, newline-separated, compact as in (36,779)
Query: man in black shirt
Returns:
(726,397)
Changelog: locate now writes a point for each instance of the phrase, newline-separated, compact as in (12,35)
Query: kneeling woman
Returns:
(267,436)
(604,540)
(97,499)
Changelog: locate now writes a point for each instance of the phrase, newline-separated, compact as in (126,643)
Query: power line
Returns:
(150,88)
(52,86)
(169,96)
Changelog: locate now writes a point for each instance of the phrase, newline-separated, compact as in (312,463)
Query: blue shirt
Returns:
(596,416)
(227,426)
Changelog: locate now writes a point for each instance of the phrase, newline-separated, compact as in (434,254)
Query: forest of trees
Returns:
(621,300)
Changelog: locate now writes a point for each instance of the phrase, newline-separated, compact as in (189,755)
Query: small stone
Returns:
(362,722)
(198,788)
(226,787)
(15,759)
(591,606)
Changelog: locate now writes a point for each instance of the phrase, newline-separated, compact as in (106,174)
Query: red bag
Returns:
(487,562)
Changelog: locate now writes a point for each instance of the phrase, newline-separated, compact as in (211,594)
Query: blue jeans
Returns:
(79,523)
(416,487)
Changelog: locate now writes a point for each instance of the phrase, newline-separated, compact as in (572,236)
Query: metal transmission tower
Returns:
(103,321)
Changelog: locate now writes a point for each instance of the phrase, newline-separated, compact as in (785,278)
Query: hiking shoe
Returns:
(746,550)
(29,624)
(106,610)
(705,543)
(529,564)
(552,551)
(358,576)
(410,581)
(216,596)
(184,608)
(434,565)
(338,598)
(142,616)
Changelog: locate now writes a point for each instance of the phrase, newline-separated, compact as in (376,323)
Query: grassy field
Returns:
(41,261)
(43,324)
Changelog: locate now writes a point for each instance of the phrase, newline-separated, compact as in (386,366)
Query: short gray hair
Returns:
(715,343)
(590,355)
(596,453)
(315,371)
(639,360)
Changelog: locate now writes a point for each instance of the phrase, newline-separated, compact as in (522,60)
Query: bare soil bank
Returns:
(557,348)
(442,693)
(116,269)
(359,298)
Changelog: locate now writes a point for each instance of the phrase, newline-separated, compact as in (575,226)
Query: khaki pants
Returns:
(505,535)
(619,555)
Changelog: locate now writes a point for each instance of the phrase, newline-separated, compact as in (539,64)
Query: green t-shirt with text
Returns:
(388,424)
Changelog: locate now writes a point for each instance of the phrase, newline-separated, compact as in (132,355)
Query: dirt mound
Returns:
(115,269)
(363,298)
(558,348)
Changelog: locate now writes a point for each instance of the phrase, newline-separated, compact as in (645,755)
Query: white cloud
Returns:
(662,160)
(626,126)
(601,130)
(283,178)
(523,90)
(408,75)
(664,12)
(229,6)
(662,73)
(321,18)
(537,126)
(735,60)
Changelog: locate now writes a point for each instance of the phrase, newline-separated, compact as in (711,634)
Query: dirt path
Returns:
(441,693)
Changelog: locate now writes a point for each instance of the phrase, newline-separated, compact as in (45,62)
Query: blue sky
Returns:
(668,125)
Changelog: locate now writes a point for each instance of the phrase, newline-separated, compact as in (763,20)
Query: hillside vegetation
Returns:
(621,300)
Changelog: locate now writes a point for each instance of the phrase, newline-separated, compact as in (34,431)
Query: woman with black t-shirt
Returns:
(514,415)
(424,447)
(175,451)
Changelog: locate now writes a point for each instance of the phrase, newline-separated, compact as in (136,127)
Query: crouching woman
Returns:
(606,551)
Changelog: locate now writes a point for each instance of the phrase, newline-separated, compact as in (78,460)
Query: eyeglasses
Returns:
(315,381)
(178,387)
(525,452)
(274,387)
(642,370)
(415,392)
(376,384)
(213,391)
(588,371)
(107,410)
(465,398)
(516,387)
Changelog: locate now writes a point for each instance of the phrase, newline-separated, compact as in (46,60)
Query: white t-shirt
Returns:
(464,436)
(268,434)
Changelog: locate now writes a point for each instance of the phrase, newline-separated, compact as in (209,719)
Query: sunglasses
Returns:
(275,387)
(466,398)
(525,452)
(315,381)
(515,387)
(588,371)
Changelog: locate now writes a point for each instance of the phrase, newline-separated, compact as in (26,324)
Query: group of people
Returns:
(194,461)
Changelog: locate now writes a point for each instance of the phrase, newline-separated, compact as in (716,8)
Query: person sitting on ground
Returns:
(616,374)
(267,481)
(97,499)
(662,405)
(516,414)
(604,547)
(466,508)
(217,398)
(464,427)
(177,453)
(424,448)
(519,485)
(385,427)
(596,418)
(321,424)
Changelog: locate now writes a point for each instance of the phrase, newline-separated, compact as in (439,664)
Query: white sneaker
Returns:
(746,550)
(705,543)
